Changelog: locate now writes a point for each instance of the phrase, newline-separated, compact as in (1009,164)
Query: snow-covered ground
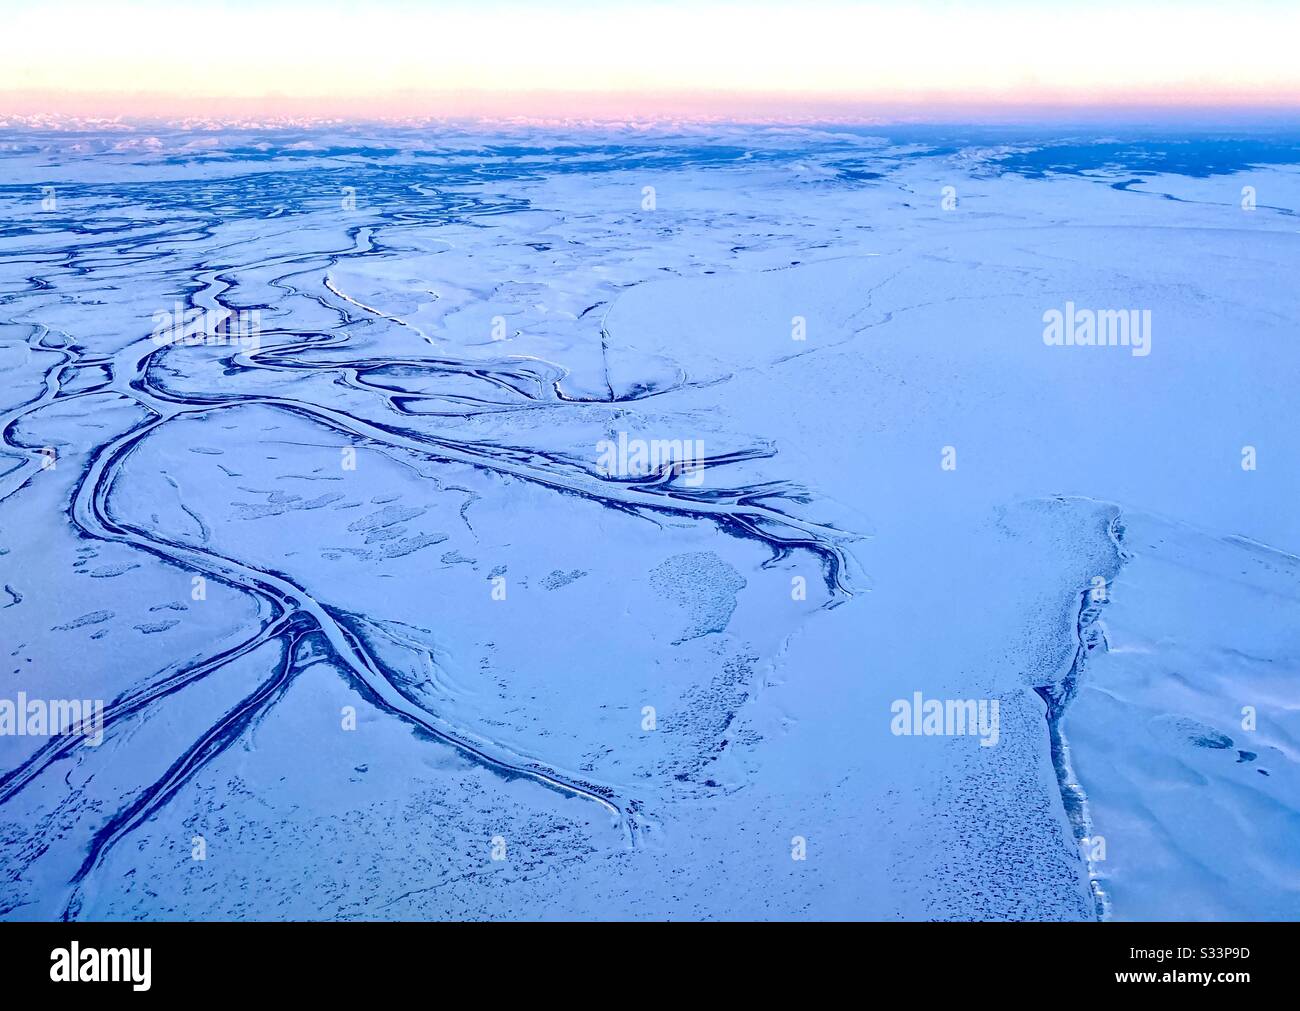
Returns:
(583,524)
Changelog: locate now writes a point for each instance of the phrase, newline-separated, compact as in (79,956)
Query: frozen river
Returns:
(702,524)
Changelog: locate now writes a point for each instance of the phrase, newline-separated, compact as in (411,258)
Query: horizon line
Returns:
(683,106)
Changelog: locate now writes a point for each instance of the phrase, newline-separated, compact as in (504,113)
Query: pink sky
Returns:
(653,59)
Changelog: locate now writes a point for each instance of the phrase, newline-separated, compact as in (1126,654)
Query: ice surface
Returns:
(377,634)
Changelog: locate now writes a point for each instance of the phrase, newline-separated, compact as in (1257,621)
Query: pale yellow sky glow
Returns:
(392,58)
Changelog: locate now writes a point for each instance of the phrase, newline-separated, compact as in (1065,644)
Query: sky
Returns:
(699,58)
